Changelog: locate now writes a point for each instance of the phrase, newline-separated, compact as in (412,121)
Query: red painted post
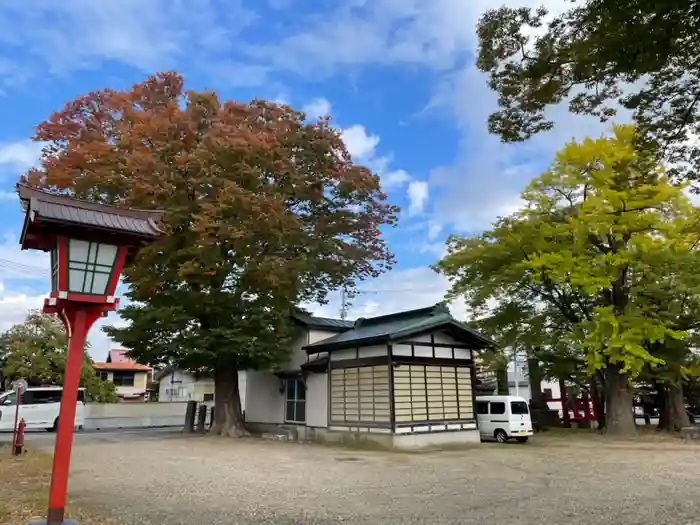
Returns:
(78,319)
(566,419)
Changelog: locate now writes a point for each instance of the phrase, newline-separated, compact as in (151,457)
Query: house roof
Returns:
(126,367)
(45,209)
(321,323)
(398,326)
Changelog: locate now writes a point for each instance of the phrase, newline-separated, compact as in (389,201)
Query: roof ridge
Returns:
(76,202)
(438,308)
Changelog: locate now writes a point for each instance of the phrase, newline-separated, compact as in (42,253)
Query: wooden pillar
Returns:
(190,416)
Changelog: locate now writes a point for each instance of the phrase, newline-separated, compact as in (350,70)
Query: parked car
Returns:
(503,418)
(39,408)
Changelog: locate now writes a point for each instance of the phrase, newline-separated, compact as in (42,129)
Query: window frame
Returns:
(296,401)
(121,374)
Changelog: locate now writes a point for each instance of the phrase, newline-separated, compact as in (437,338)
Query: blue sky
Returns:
(397,76)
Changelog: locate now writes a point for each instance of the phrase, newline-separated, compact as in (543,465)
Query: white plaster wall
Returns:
(439,337)
(319,335)
(317,400)
(191,389)
(373,351)
(176,387)
(341,355)
(264,403)
(297,356)
(134,415)
(306,337)
(435,439)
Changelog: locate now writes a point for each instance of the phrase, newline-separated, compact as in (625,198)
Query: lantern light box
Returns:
(89,243)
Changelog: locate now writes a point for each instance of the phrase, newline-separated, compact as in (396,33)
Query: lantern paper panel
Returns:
(90,266)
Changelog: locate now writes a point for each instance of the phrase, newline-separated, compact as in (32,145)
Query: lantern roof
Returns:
(48,215)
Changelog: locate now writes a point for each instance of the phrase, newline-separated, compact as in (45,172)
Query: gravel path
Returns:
(220,481)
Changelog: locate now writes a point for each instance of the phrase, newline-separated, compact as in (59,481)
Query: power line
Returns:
(24,268)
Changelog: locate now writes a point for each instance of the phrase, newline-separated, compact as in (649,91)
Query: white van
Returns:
(503,418)
(39,408)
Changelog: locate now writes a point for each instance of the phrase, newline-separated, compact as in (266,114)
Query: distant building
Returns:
(175,385)
(130,379)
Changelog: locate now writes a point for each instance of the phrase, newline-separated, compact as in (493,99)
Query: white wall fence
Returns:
(134,415)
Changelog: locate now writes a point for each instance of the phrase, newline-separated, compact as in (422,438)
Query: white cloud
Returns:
(360,144)
(317,108)
(480,183)
(396,291)
(434,229)
(21,155)
(16,263)
(417,196)
(396,178)
(362,147)
(61,37)
(15,305)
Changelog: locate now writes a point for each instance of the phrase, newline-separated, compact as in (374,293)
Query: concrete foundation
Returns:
(370,437)
(134,415)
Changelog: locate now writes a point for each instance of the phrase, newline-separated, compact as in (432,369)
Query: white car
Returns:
(39,408)
(503,417)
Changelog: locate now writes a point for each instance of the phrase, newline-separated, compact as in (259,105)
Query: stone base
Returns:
(43,522)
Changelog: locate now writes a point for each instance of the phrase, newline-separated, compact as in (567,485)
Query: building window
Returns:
(424,393)
(123,378)
(208,397)
(295,401)
(104,376)
(360,395)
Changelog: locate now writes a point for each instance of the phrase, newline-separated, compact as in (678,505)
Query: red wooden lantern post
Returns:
(90,244)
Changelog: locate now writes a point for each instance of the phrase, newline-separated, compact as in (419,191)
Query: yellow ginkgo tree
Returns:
(595,228)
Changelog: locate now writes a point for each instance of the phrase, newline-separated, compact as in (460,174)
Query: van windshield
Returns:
(518,407)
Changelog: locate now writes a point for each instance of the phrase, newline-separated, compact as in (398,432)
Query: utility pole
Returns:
(343,304)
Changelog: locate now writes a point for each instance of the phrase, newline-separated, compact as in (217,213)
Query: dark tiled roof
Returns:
(401,325)
(321,323)
(42,206)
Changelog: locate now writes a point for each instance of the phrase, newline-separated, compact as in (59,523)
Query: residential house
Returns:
(119,356)
(129,378)
(175,385)
(403,380)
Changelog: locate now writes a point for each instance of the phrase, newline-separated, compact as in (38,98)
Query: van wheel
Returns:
(522,439)
(54,428)
(500,435)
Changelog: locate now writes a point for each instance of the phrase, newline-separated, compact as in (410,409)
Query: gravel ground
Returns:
(201,480)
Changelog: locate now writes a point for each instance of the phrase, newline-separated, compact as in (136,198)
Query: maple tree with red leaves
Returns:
(264,211)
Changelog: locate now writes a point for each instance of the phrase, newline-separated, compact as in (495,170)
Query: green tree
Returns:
(601,213)
(670,290)
(36,351)
(264,210)
(596,56)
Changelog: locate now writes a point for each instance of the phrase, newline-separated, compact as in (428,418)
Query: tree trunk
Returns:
(619,416)
(502,380)
(534,376)
(228,417)
(672,416)
(599,400)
